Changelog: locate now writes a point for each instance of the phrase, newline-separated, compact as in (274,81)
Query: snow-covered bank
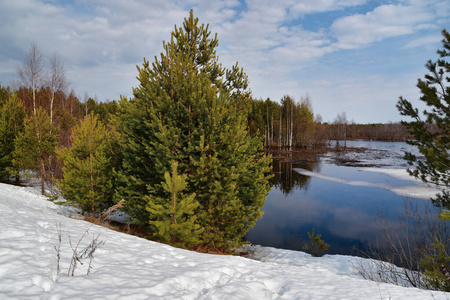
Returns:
(128,267)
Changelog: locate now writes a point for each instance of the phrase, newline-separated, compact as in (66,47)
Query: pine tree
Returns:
(432,134)
(437,267)
(316,244)
(87,167)
(173,216)
(35,145)
(191,110)
(12,116)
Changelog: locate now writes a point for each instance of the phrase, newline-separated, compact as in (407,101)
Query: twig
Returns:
(75,258)
(58,249)
(104,215)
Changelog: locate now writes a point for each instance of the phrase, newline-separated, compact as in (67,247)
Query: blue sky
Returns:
(353,56)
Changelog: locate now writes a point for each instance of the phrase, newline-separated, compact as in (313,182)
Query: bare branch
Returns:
(56,80)
(31,73)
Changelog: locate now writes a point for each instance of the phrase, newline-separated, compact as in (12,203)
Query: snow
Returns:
(418,190)
(128,267)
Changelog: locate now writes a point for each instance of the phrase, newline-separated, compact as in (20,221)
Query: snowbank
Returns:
(128,267)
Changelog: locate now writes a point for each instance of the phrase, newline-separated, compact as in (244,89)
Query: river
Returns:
(341,195)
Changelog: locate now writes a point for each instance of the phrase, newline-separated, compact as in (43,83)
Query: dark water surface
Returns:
(346,215)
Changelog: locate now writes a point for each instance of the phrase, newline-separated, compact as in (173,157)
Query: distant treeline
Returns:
(390,132)
(287,124)
(292,124)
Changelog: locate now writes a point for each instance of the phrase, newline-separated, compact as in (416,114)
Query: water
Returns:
(343,203)
(380,154)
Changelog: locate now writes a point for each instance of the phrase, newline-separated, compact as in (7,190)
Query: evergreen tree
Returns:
(5,93)
(35,145)
(432,134)
(191,110)
(173,216)
(87,167)
(436,265)
(12,116)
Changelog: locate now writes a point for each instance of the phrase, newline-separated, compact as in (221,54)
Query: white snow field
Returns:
(128,267)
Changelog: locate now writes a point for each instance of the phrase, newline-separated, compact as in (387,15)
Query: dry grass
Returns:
(209,250)
(127,228)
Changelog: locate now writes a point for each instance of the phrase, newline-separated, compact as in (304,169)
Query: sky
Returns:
(352,56)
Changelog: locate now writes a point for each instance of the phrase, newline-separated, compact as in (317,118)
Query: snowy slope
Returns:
(127,267)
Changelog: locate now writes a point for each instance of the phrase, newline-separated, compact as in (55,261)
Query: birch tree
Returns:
(32,71)
(56,80)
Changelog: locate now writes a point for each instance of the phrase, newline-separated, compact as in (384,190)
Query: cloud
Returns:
(101,41)
(269,49)
(383,22)
(426,41)
(92,37)
(361,97)
(304,7)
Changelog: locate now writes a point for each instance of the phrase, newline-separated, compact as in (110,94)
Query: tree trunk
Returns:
(42,173)
(279,133)
(91,171)
(174,206)
(291,138)
(51,106)
(267,129)
(34,96)
(271,137)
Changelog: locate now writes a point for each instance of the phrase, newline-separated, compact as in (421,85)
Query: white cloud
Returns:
(101,41)
(427,41)
(303,7)
(364,97)
(109,32)
(383,22)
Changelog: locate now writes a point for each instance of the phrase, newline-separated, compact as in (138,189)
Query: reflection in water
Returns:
(286,179)
(345,215)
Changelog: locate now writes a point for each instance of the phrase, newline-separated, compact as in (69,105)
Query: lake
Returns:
(341,195)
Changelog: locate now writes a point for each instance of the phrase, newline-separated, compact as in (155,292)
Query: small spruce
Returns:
(437,268)
(317,245)
(173,217)
(87,167)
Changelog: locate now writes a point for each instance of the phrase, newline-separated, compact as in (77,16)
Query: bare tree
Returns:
(279,132)
(341,124)
(56,80)
(31,72)
(86,103)
(71,100)
(318,119)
